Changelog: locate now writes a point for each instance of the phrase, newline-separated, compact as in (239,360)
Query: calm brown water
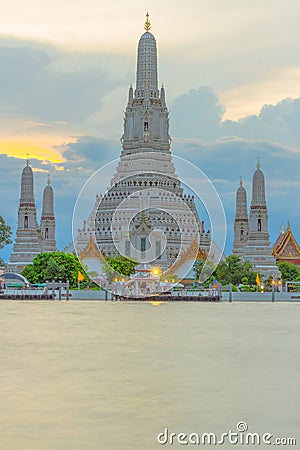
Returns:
(101,375)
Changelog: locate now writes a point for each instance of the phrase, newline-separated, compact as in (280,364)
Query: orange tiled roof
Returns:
(286,247)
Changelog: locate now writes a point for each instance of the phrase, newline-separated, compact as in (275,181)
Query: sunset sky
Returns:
(231,70)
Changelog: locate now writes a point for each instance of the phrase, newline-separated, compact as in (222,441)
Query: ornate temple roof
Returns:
(91,251)
(286,248)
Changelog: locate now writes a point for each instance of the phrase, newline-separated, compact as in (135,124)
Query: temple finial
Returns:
(49,181)
(27,159)
(258,163)
(147,25)
(241,182)
(288,225)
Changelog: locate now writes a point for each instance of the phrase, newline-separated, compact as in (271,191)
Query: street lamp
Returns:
(156,271)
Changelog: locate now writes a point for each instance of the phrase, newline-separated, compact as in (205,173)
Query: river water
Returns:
(112,376)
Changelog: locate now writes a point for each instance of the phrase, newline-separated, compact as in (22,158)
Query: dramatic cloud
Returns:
(198,114)
(90,151)
(278,123)
(46,84)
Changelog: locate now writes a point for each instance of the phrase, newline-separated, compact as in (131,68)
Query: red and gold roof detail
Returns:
(286,248)
(91,251)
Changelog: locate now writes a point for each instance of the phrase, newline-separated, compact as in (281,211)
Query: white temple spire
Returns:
(146,77)
(48,219)
(146,121)
(257,249)
(27,242)
(241,223)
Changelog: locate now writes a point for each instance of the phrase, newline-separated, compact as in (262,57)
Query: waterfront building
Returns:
(30,239)
(241,222)
(146,181)
(286,248)
(48,220)
(257,249)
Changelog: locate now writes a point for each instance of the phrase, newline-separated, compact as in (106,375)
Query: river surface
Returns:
(112,376)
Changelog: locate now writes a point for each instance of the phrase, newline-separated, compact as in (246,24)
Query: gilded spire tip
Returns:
(49,181)
(258,163)
(27,159)
(147,25)
(241,182)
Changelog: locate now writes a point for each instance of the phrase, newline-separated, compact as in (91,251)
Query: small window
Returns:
(143,244)
(259,225)
(146,125)
(127,248)
(46,235)
(26,222)
(158,249)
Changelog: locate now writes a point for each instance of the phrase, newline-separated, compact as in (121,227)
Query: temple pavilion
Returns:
(286,248)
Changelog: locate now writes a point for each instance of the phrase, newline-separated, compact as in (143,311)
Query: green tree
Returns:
(198,266)
(119,266)
(55,266)
(171,278)
(204,270)
(5,233)
(54,270)
(233,270)
(289,272)
(110,273)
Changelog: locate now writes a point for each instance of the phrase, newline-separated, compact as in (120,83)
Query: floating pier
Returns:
(168,298)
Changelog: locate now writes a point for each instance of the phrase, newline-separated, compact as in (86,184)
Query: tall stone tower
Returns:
(146,121)
(48,220)
(257,249)
(27,242)
(146,164)
(241,223)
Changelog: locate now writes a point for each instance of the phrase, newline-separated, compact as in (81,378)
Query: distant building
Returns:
(286,248)
(254,232)
(145,164)
(241,222)
(32,239)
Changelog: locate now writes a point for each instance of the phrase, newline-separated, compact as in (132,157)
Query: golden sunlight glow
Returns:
(248,98)
(156,271)
(35,169)
(20,147)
